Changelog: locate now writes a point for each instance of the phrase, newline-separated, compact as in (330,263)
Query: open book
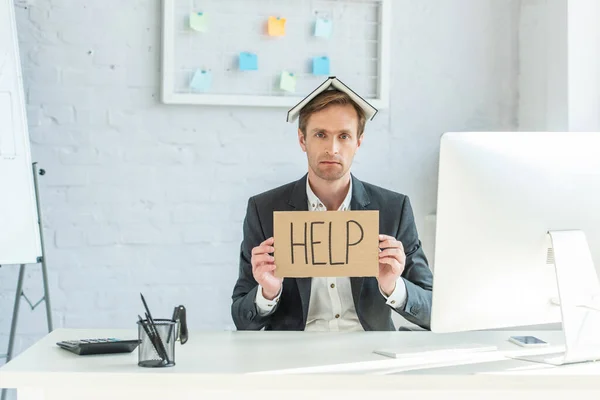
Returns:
(332,83)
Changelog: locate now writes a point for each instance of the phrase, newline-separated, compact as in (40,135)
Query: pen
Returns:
(159,342)
(150,337)
(174,319)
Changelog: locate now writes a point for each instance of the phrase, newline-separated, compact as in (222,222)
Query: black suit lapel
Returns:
(356,283)
(304,286)
(360,198)
(299,199)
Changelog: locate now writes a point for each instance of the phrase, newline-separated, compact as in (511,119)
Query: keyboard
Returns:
(555,359)
(434,351)
(549,358)
(84,347)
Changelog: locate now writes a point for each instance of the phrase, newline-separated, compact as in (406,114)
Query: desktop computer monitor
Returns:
(499,194)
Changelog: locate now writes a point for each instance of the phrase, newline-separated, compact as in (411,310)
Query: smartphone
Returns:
(527,341)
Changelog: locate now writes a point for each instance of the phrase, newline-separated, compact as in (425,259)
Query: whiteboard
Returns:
(358,50)
(19,230)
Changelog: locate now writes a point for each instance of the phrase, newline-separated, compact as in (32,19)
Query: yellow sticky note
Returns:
(199,21)
(276,26)
(288,82)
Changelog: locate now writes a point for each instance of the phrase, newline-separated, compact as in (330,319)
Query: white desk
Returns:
(290,365)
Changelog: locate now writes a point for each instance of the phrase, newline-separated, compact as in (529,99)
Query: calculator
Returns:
(85,347)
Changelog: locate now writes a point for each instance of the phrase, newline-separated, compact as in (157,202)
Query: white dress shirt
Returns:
(331,306)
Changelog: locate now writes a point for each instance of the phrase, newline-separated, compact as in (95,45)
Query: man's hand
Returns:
(391,263)
(263,267)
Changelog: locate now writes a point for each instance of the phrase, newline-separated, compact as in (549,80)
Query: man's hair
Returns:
(326,99)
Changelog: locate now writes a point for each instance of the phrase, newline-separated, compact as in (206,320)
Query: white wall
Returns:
(559,74)
(583,65)
(543,93)
(140,196)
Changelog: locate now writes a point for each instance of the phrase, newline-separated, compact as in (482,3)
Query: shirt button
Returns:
(332,285)
(393,301)
(337,315)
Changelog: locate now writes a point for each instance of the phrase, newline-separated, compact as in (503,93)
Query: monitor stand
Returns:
(579,298)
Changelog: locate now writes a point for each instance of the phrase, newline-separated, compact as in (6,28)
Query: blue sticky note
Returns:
(248,62)
(323,27)
(201,81)
(321,65)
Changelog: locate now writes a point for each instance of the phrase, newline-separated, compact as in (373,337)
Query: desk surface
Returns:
(215,358)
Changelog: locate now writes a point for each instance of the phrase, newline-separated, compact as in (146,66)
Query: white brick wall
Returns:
(140,196)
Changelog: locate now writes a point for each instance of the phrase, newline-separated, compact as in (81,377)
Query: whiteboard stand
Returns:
(46,298)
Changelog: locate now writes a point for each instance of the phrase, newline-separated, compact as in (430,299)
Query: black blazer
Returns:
(395,219)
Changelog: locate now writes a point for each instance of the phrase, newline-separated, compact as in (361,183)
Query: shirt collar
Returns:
(315,204)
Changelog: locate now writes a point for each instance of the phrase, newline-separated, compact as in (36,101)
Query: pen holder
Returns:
(157,342)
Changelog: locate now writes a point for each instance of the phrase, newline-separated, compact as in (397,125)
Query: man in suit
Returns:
(330,132)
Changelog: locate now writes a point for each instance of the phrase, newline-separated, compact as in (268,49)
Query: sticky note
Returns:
(248,61)
(323,28)
(321,65)
(199,21)
(288,82)
(276,26)
(201,81)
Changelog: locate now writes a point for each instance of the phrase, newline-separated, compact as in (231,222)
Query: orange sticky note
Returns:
(276,26)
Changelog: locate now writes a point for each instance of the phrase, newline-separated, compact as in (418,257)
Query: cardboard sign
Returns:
(326,243)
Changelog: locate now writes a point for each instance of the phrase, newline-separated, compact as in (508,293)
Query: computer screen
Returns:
(499,193)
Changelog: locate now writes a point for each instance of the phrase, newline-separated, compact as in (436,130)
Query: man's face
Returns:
(331,141)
